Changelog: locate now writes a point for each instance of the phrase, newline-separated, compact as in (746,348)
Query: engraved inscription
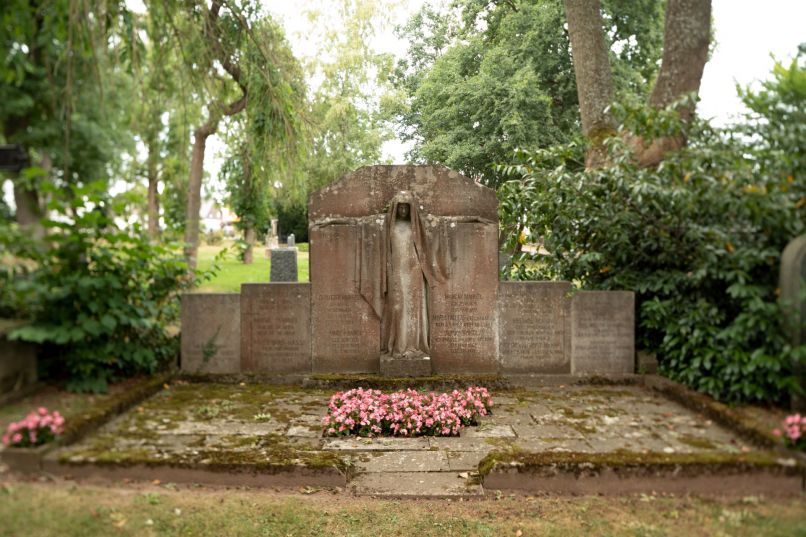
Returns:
(603,332)
(278,327)
(532,326)
(467,328)
(341,333)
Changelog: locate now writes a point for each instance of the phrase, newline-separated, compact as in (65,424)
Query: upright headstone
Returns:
(283,267)
(211,333)
(793,304)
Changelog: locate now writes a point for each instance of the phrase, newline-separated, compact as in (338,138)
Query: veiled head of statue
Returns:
(403,211)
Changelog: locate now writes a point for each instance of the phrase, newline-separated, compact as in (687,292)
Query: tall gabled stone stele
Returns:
(355,313)
(793,303)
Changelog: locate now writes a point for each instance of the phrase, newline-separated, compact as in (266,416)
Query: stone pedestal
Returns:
(283,265)
(405,367)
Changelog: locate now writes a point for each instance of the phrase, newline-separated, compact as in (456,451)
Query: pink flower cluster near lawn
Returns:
(793,431)
(36,429)
(408,413)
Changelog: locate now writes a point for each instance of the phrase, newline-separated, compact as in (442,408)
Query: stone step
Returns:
(416,485)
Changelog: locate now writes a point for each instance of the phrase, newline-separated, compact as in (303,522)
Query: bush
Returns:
(293,218)
(101,298)
(699,240)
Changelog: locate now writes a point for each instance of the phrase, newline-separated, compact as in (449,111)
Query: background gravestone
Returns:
(346,330)
(283,265)
(211,333)
(793,303)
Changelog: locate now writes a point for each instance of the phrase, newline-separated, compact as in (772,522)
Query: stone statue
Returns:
(404,322)
(400,257)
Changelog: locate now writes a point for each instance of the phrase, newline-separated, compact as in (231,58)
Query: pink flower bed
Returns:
(793,431)
(408,413)
(36,429)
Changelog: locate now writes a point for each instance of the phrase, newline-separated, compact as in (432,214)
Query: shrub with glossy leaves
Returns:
(100,298)
(698,238)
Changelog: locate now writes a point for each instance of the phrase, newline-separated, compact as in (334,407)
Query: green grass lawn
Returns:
(67,509)
(233,272)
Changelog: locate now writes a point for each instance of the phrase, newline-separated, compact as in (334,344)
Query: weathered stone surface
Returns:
(211,333)
(283,267)
(792,278)
(275,327)
(355,291)
(346,331)
(367,190)
(405,367)
(463,332)
(603,333)
(402,461)
(534,333)
(415,485)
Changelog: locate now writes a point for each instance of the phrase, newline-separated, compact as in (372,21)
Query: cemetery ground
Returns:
(233,272)
(243,458)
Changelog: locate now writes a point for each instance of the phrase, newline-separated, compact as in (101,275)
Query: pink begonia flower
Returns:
(776,432)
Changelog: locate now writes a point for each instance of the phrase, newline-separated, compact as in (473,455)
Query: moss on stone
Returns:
(579,463)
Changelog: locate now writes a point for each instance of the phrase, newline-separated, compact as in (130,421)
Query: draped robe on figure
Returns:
(398,262)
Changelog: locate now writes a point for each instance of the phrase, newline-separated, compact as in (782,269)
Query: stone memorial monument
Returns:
(404,281)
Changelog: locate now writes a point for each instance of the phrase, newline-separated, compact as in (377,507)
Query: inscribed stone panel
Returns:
(275,327)
(533,327)
(462,316)
(603,333)
(345,331)
(211,333)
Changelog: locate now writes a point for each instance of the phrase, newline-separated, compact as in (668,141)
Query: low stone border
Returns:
(626,472)
(268,475)
(719,412)
(30,459)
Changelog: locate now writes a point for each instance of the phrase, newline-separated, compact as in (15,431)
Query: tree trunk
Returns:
(249,238)
(593,75)
(153,194)
(686,37)
(200,136)
(29,206)
(29,213)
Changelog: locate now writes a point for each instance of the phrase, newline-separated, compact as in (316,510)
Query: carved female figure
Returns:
(405,320)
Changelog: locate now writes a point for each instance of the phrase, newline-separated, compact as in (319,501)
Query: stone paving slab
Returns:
(224,424)
(464,461)
(415,485)
(402,461)
(376,444)
(488,430)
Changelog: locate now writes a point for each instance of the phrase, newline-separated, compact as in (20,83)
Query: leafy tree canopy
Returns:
(503,78)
